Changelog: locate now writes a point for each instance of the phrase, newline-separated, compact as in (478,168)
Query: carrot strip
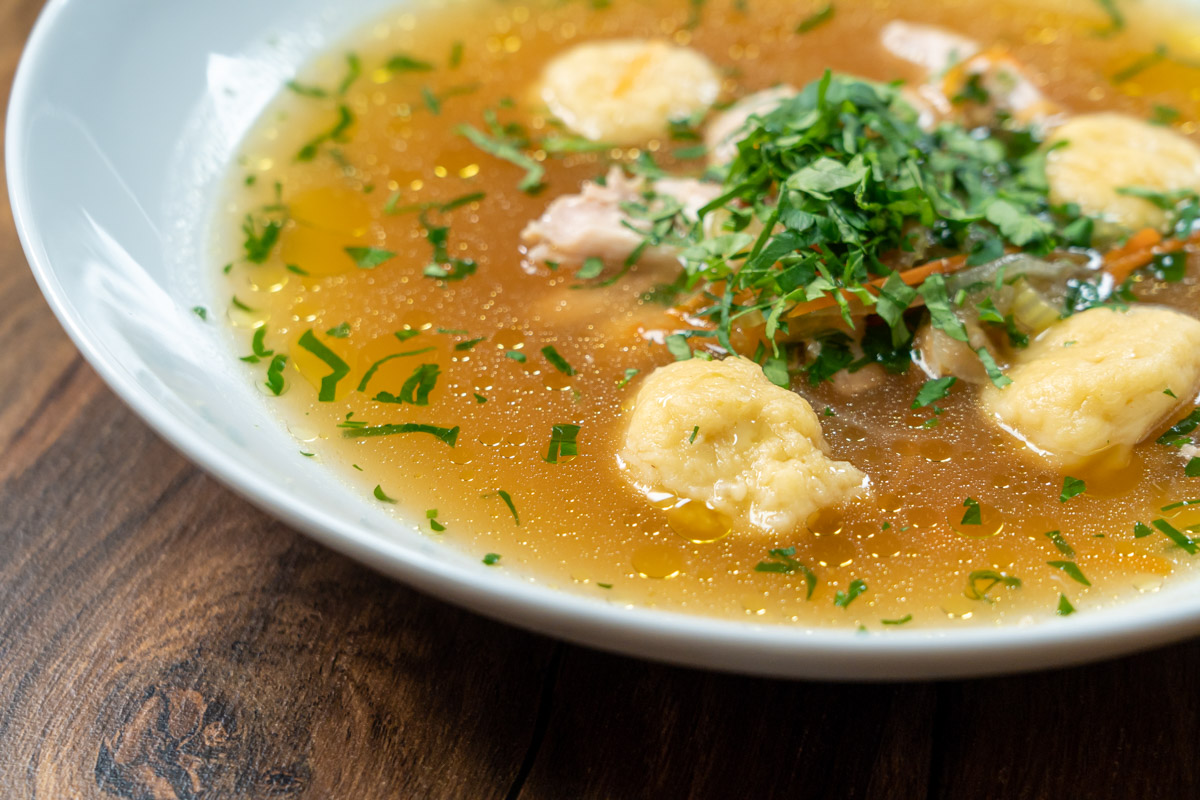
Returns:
(912,277)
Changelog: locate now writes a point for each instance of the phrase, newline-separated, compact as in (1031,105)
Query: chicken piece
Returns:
(1097,381)
(730,126)
(592,224)
(992,83)
(626,91)
(928,46)
(939,355)
(720,432)
(1097,154)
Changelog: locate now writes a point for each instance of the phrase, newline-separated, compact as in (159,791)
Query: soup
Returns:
(842,315)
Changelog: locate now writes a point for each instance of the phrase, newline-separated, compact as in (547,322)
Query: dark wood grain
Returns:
(159,638)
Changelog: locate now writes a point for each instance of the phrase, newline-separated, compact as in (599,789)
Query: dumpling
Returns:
(626,91)
(757,455)
(1101,153)
(1098,380)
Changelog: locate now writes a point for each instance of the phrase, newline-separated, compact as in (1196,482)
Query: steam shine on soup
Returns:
(852,314)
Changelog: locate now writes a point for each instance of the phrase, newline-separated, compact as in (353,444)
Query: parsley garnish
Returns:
(695,433)
(201,312)
(447,435)
(405,63)
(340,332)
(1065,609)
(629,373)
(906,618)
(508,501)
(516,355)
(274,380)
(338,368)
(934,390)
(259,244)
(416,388)
(982,581)
(381,496)
(507,148)
(785,563)
(1072,570)
(335,134)
(1175,535)
(369,257)
(677,345)
(973,515)
(843,599)
(1178,434)
(1060,543)
(467,345)
(816,19)
(491,559)
(557,361)
(562,443)
(432,515)
(1072,487)
(370,373)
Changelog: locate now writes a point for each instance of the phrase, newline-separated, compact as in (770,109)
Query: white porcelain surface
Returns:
(123,117)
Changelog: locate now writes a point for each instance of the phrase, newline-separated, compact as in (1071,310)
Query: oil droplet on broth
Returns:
(657,561)
(698,522)
(833,551)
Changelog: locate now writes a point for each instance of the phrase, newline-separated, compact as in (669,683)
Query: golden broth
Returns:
(581,525)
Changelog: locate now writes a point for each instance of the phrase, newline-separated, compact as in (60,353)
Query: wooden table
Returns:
(160,638)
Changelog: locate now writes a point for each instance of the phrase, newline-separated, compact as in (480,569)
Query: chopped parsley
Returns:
(338,368)
(1072,487)
(629,374)
(843,599)
(401,62)
(816,19)
(467,345)
(784,563)
(431,101)
(432,516)
(591,268)
(934,390)
(415,390)
(1072,570)
(502,144)
(1065,609)
(274,380)
(1175,535)
(1178,434)
(491,559)
(456,55)
(901,621)
(340,332)
(335,134)
(381,496)
(258,244)
(447,435)
(516,355)
(982,581)
(695,432)
(370,373)
(480,399)
(677,345)
(201,312)
(1192,468)
(557,361)
(973,515)
(369,257)
(1060,543)
(508,501)
(563,443)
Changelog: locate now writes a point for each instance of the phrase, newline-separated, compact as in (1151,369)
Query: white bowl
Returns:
(123,118)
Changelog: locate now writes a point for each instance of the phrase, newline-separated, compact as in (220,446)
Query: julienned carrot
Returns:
(1137,252)
(912,277)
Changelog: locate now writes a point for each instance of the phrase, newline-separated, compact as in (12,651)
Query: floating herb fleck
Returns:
(843,599)
(491,559)
(381,496)
(816,19)
(447,435)
(274,380)
(1072,570)
(563,443)
(338,368)
(982,581)
(1072,487)
(1065,609)
(784,563)
(369,257)
(557,361)
(1060,543)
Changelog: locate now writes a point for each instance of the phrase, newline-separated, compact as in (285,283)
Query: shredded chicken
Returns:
(591,224)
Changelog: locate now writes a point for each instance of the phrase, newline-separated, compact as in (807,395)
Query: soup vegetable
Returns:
(856,314)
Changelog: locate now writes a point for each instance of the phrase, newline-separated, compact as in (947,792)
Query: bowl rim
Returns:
(774,649)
